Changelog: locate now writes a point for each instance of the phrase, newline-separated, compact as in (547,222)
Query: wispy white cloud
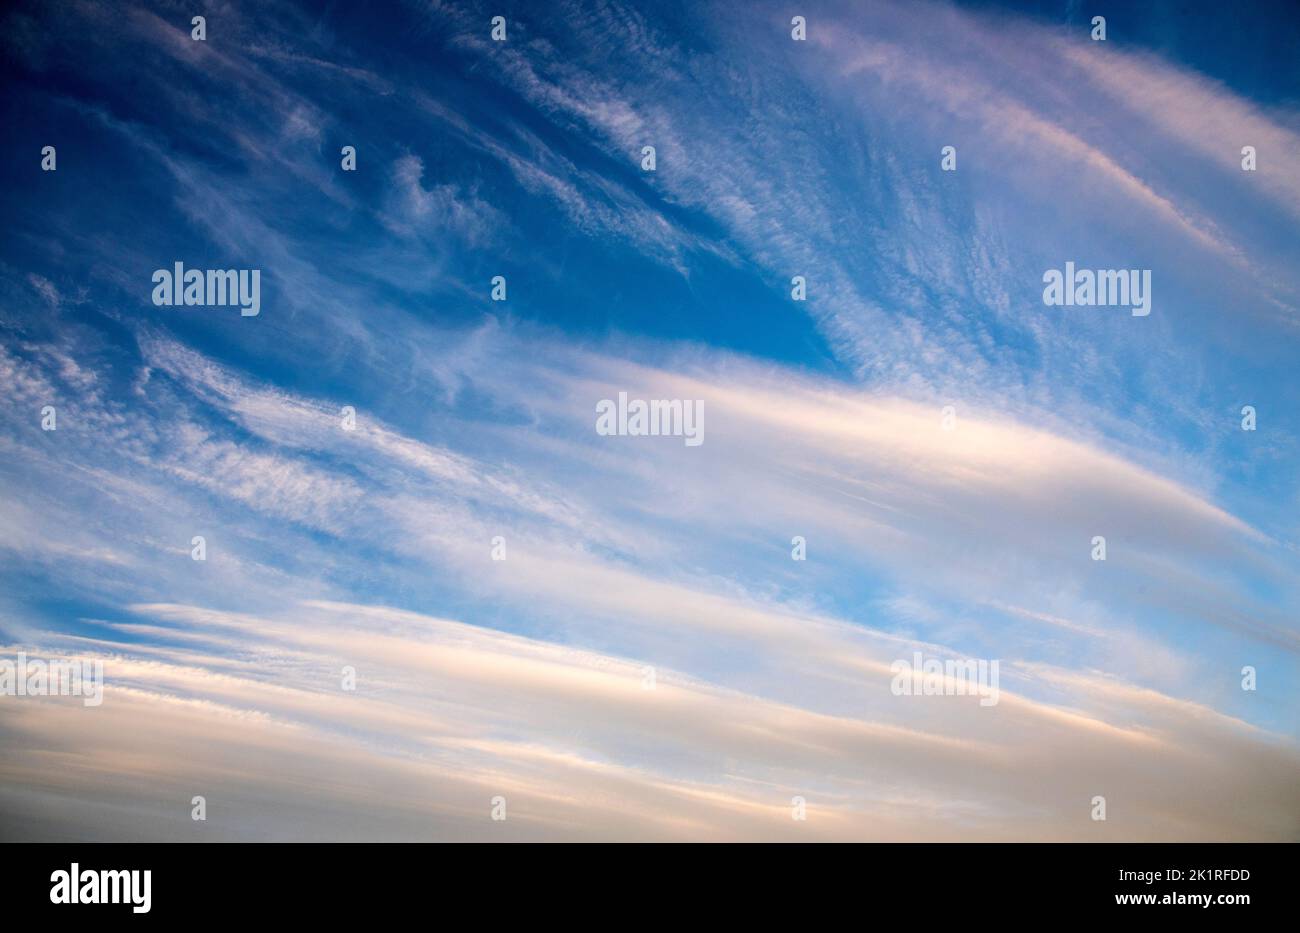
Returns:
(624,552)
(509,715)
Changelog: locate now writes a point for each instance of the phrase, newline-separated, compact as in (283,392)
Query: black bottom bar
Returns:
(329,882)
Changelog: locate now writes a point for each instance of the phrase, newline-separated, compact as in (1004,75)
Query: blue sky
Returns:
(475,419)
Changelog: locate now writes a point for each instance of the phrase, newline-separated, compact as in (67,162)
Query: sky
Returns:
(610,634)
